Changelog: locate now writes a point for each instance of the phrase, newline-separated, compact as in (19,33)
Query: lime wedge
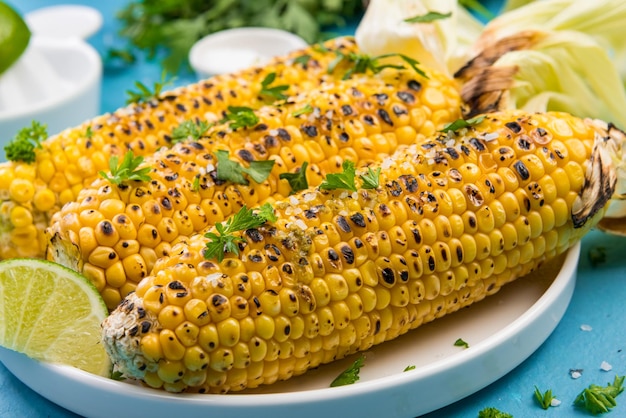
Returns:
(52,314)
(14,36)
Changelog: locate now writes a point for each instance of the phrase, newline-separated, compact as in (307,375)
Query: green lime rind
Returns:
(53,314)
(14,36)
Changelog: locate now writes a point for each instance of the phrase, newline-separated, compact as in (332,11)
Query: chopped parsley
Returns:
(144,94)
(428,17)
(195,186)
(462,123)
(460,343)
(22,146)
(361,63)
(343,180)
(240,117)
(350,375)
(410,367)
(190,130)
(544,399)
(303,60)
(233,171)
(492,412)
(304,110)
(275,92)
(297,181)
(225,241)
(128,169)
(371,179)
(89,132)
(600,399)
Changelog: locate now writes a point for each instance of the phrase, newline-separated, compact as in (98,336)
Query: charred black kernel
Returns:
(348,254)
(410,182)
(404,275)
(161,298)
(113,254)
(283,134)
(384,115)
(303,261)
(399,110)
(344,137)
(181,107)
(471,220)
(384,210)
(406,97)
(414,85)
(287,268)
(310,130)
(369,120)
(431,263)
(459,253)
(176,285)
(145,327)
(332,255)
(310,213)
(202,314)
(465,150)
(388,275)
(346,110)
(394,188)
(219,300)
(478,146)
(342,223)
(255,258)
(429,145)
(381,98)
(358,219)
(260,127)
(287,330)
(133,331)
(492,189)
(521,170)
(417,236)
(254,235)
(272,252)
(444,254)
(541,132)
(107,228)
(377,327)
(171,177)
(452,153)
(245,155)
(166,203)
(514,127)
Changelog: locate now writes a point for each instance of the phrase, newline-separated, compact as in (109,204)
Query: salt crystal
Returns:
(585,327)
(450,143)
(308,197)
(490,136)
(210,167)
(343,195)
(214,278)
(555,402)
(387,162)
(293,200)
(606,366)
(273,132)
(575,374)
(301,224)
(355,195)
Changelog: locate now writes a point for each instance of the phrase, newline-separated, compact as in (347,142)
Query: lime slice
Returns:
(14,36)
(53,314)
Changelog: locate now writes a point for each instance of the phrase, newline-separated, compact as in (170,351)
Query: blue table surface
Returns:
(598,299)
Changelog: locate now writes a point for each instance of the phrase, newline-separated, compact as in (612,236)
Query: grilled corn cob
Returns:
(31,193)
(454,219)
(113,235)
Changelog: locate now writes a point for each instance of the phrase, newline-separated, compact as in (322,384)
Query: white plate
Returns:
(502,331)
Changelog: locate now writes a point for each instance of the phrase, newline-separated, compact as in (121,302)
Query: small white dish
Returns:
(231,50)
(64,21)
(56,82)
(502,331)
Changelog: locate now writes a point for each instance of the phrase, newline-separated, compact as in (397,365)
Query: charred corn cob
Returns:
(31,193)
(454,219)
(114,234)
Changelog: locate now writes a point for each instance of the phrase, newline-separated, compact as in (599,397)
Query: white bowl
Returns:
(56,82)
(64,21)
(231,50)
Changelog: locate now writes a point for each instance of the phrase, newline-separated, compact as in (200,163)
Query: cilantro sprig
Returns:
(275,92)
(190,129)
(351,374)
(145,94)
(461,343)
(307,108)
(22,146)
(224,241)
(240,117)
(491,412)
(127,170)
(361,63)
(346,179)
(233,171)
(428,17)
(462,123)
(544,399)
(297,181)
(600,399)
(371,179)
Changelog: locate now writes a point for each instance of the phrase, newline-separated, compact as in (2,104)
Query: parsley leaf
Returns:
(275,92)
(230,170)
(89,133)
(428,17)
(343,180)
(492,412)
(462,123)
(144,94)
(361,63)
(128,169)
(195,186)
(302,60)
(297,181)
(240,117)
(22,146)
(545,399)
(371,179)
(460,343)
(350,375)
(306,109)
(600,399)
(224,241)
(410,367)
(190,129)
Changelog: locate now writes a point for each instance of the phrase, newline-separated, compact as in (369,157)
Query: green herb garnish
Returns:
(350,375)
(600,399)
(428,17)
(545,399)
(371,179)
(361,63)
(302,60)
(410,367)
(462,123)
(195,186)
(190,129)
(343,180)
(89,133)
(275,92)
(144,94)
(233,171)
(460,343)
(117,375)
(22,146)
(128,169)
(492,412)
(304,110)
(240,117)
(224,241)
(297,181)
